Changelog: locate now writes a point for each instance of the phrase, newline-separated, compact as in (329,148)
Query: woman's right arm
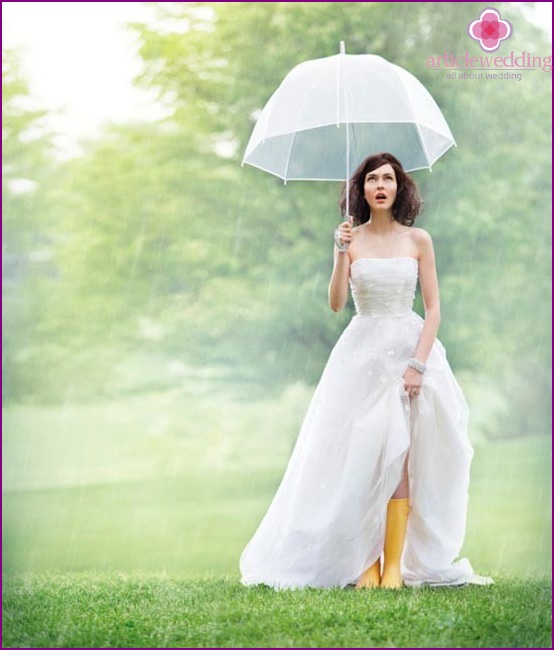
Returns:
(338,286)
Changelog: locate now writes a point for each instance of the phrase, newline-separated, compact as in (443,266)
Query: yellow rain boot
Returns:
(371,577)
(395,534)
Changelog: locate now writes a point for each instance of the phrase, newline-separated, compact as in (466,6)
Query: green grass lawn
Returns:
(119,610)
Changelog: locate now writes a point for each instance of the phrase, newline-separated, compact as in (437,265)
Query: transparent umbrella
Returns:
(329,114)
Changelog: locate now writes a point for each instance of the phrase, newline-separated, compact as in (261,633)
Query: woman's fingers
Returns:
(345,231)
(412,389)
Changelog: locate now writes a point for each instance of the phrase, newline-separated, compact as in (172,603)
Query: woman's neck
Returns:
(382,222)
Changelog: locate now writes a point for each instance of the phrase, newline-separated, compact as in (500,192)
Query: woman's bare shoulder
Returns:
(422,241)
(421,236)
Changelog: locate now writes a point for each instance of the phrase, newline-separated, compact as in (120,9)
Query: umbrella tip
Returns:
(342,48)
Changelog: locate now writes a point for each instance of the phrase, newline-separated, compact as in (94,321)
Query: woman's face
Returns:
(380,188)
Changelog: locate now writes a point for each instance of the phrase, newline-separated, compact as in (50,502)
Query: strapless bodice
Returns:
(383,286)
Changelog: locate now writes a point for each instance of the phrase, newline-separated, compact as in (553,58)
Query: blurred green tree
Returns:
(26,228)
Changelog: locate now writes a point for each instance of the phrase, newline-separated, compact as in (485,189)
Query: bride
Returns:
(375,492)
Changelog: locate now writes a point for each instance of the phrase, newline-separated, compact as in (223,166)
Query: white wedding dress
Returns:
(326,523)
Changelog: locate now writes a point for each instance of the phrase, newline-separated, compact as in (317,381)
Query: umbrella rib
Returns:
(399,87)
(296,130)
(423,145)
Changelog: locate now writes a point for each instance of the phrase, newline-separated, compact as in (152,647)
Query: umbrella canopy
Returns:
(329,114)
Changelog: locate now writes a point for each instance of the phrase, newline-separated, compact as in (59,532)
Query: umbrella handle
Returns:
(343,53)
(347,172)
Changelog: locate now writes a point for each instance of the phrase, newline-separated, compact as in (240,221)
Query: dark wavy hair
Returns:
(407,204)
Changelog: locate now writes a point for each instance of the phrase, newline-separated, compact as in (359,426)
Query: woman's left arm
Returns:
(430,291)
(429,284)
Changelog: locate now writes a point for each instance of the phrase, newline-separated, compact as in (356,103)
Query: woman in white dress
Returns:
(375,492)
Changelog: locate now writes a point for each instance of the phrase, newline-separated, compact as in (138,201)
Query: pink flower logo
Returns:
(489,30)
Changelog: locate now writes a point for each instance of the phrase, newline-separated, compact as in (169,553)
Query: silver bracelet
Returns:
(338,243)
(417,365)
